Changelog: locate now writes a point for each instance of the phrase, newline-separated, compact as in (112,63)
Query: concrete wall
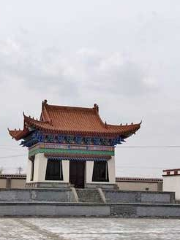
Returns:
(52,210)
(61,202)
(115,196)
(172,183)
(12,183)
(139,186)
(2,183)
(67,195)
(145,210)
(18,183)
(44,195)
(89,210)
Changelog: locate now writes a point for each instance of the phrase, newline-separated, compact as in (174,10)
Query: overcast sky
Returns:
(123,55)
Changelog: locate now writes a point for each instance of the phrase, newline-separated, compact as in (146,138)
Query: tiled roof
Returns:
(73,120)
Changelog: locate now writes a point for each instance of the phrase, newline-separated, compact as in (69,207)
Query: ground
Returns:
(88,229)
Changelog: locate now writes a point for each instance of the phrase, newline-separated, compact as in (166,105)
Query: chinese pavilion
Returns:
(71,146)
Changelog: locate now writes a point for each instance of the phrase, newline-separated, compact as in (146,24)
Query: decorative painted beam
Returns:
(33,152)
(39,137)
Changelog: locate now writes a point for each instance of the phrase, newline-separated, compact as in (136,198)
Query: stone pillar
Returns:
(111,170)
(65,168)
(40,164)
(89,171)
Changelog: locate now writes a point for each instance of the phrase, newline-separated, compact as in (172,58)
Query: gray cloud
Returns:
(124,56)
(50,70)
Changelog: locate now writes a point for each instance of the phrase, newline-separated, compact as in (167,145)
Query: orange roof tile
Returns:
(73,120)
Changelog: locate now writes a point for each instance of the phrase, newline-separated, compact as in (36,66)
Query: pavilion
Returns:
(71,146)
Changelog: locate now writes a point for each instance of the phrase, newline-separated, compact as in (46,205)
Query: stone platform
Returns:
(87,202)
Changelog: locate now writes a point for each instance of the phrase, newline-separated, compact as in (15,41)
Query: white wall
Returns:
(172,184)
(111,171)
(40,165)
(89,171)
(65,167)
(111,168)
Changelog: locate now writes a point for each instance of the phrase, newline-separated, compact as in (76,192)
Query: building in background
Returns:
(139,184)
(171,181)
(12,181)
(71,146)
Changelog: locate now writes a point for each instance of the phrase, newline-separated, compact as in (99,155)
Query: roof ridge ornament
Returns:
(44,102)
(96,107)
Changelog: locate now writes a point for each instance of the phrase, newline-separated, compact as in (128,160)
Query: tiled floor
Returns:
(88,229)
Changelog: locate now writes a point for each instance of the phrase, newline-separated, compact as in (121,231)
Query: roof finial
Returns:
(96,107)
(44,102)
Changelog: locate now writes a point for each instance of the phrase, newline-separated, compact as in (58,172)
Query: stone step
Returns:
(89,195)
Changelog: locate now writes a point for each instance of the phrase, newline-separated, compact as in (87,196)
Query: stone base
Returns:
(100,185)
(68,185)
(47,185)
(51,209)
(62,202)
(118,196)
(37,195)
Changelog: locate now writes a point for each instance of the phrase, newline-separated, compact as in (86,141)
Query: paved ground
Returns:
(88,229)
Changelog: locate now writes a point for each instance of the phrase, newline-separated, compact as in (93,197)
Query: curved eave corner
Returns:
(126,130)
(18,134)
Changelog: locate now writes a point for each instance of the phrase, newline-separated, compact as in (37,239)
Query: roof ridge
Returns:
(31,119)
(45,114)
(70,108)
(130,124)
